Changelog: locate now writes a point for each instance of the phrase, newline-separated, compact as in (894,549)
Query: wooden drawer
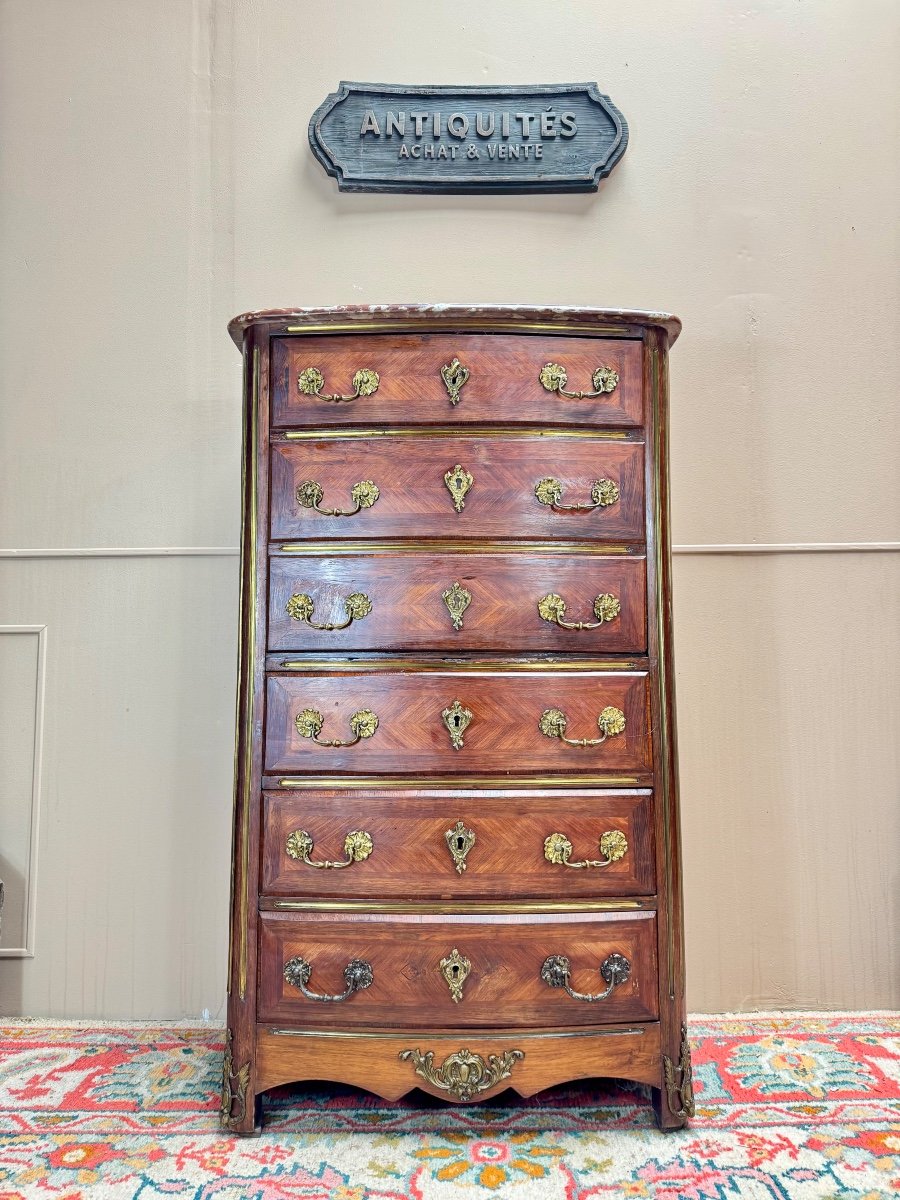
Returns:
(414,500)
(504,383)
(504,985)
(502,736)
(408,601)
(497,845)
(395,1062)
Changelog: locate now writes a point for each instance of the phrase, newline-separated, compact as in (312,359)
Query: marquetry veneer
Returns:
(413,496)
(456,855)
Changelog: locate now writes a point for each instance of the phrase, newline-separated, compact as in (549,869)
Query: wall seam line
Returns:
(721,548)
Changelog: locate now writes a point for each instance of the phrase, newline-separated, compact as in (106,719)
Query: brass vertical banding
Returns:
(248,665)
(661,560)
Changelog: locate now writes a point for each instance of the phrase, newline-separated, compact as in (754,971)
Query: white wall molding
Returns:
(37,751)
(790,548)
(232,551)
(122,552)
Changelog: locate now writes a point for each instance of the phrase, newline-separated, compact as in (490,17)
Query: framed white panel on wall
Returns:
(23,659)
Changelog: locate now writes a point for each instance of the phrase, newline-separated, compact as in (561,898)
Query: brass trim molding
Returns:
(456,431)
(448,1035)
(662,562)
(462,909)
(461,325)
(458,668)
(470,782)
(251,499)
(484,546)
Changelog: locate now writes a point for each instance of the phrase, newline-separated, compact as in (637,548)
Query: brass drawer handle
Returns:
(463,1074)
(364,494)
(552,608)
(454,375)
(549,491)
(309,724)
(357,976)
(310,382)
(300,607)
(558,850)
(553,725)
(358,845)
(554,378)
(614,970)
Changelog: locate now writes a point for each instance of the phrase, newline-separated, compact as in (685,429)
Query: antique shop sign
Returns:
(383,138)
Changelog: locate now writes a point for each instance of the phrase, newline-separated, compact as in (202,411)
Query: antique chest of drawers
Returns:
(456,854)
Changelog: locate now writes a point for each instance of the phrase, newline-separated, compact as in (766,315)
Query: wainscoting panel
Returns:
(22,666)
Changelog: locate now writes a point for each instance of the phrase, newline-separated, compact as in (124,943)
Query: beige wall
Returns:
(156,180)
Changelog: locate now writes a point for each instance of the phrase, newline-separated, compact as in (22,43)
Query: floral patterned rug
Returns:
(799,1107)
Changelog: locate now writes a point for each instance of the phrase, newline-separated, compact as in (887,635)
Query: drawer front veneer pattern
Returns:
(402,380)
(434,722)
(502,984)
(462,487)
(446,846)
(427,601)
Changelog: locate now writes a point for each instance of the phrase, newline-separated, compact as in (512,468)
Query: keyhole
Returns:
(454,971)
(460,843)
(456,721)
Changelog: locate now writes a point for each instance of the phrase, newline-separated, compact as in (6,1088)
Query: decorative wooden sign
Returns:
(382,138)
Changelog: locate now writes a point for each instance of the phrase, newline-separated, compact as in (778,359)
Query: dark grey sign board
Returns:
(375,137)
